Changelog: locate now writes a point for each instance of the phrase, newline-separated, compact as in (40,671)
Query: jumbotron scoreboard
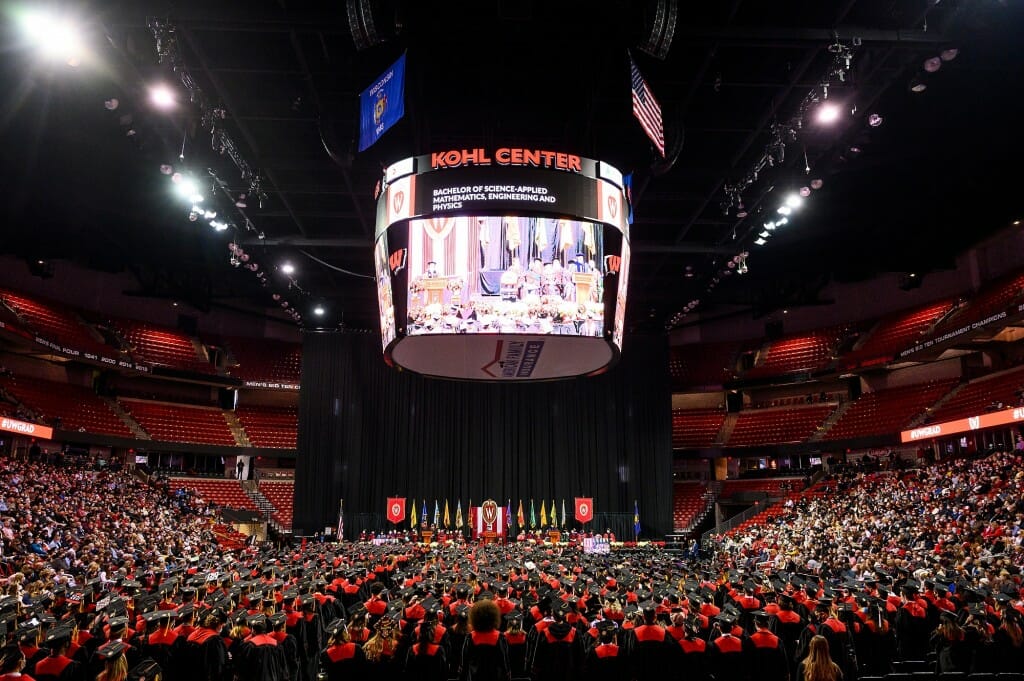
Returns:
(505,264)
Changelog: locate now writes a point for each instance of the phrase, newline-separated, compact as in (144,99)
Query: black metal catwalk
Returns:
(367,432)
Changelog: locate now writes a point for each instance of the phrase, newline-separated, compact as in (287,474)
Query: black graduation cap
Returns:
(118,622)
(335,627)
(147,670)
(1002,598)
(462,611)
(256,620)
(277,619)
(58,636)
(46,619)
(726,618)
(185,610)
(111,649)
(514,617)
(151,617)
(605,626)
(430,604)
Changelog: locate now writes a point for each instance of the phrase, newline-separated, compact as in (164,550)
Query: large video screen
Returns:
(507,275)
(385,301)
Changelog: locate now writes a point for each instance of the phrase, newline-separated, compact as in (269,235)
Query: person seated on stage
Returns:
(431,272)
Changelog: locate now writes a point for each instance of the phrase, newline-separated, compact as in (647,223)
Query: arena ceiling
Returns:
(937,175)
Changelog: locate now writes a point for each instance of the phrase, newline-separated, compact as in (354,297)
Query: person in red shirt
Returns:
(58,666)
(12,661)
(605,662)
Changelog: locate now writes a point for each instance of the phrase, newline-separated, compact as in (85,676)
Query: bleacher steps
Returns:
(725,432)
(919,419)
(126,418)
(241,439)
(266,509)
(832,419)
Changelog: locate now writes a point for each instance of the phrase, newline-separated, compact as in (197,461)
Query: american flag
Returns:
(646,108)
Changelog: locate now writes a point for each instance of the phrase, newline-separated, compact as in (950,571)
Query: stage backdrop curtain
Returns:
(367,432)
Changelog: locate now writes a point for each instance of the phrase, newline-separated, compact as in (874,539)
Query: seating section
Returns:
(176,423)
(982,395)
(994,298)
(77,407)
(770,426)
(794,354)
(770,486)
(696,427)
(895,332)
(266,360)
(282,496)
(162,347)
(687,503)
(216,491)
(887,411)
(56,323)
(276,427)
(703,364)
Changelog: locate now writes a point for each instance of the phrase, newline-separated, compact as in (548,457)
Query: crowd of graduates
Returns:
(107,577)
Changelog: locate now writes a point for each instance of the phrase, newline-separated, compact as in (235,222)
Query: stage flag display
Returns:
(584,509)
(636,519)
(543,515)
(563,511)
(424,514)
(437,514)
(396,509)
(458,514)
(412,515)
(520,518)
(341,520)
(382,104)
(447,516)
(533,517)
(646,108)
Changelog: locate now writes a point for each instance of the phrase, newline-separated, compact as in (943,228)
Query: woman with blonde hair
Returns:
(818,665)
(380,649)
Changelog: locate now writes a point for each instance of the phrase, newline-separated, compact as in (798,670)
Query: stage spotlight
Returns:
(949,54)
(805,192)
(162,96)
(874,120)
(760,242)
(781,222)
(196,198)
(318,311)
(56,37)
(765,234)
(932,64)
(817,183)
(794,201)
(185,187)
(111,104)
(770,226)
(240,202)
(784,210)
(288,268)
(917,85)
(166,169)
(218,225)
(828,113)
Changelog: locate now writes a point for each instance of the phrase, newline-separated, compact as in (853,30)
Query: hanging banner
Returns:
(584,509)
(396,509)
(382,104)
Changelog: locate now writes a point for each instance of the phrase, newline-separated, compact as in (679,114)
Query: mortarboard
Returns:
(111,649)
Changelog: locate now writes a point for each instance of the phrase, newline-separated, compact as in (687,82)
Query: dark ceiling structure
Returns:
(908,177)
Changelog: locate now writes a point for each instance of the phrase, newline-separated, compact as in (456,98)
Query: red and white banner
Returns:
(584,509)
(990,420)
(26,428)
(396,509)
(488,518)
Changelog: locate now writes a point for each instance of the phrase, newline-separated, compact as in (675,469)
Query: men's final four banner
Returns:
(584,509)
(382,104)
(396,509)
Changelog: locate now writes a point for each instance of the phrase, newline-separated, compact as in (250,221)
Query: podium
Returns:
(489,537)
(427,536)
(584,282)
(434,290)
(554,536)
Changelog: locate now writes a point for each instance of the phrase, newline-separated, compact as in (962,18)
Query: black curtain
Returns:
(367,432)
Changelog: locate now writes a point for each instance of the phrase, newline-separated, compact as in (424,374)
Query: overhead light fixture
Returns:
(765,234)
(770,226)
(162,96)
(288,268)
(932,64)
(805,192)
(218,225)
(817,183)
(794,201)
(949,54)
(874,120)
(111,104)
(318,311)
(828,113)
(782,221)
(917,85)
(760,242)
(784,210)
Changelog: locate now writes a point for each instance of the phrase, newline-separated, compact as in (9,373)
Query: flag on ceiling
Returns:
(447,516)
(458,514)
(382,104)
(646,108)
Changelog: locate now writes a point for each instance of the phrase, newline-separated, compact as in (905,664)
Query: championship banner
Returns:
(584,509)
(382,104)
(396,509)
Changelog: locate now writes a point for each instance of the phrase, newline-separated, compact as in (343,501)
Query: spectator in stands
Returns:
(818,665)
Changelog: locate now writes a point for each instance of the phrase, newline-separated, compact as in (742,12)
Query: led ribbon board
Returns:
(503,264)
